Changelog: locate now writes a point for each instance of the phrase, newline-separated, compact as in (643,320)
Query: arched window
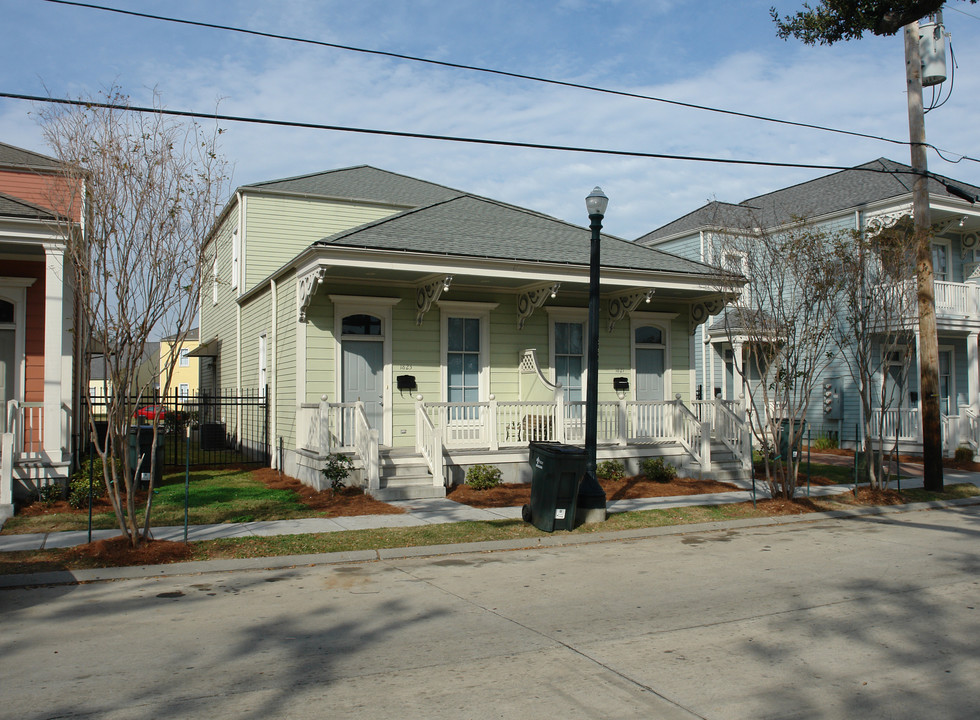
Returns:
(361,324)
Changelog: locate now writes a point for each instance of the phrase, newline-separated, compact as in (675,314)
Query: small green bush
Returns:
(610,470)
(78,487)
(337,470)
(657,470)
(483,477)
(825,442)
(963,454)
(50,494)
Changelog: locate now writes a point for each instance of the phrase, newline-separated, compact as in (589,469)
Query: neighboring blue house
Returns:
(850,200)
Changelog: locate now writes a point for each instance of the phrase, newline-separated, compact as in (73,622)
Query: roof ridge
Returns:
(323,173)
(48,159)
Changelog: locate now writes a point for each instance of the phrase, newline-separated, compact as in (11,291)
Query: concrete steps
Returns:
(405,476)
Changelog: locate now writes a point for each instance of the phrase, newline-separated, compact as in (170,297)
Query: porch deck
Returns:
(450,436)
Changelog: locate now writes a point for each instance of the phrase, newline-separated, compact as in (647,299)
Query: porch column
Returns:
(972,371)
(54,355)
(737,357)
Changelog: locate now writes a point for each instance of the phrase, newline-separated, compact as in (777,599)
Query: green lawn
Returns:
(218,496)
(215,496)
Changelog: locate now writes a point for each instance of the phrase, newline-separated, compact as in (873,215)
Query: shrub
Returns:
(825,442)
(657,470)
(50,494)
(963,454)
(78,487)
(483,477)
(337,470)
(610,470)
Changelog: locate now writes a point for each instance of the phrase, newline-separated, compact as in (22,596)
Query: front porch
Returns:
(32,454)
(902,427)
(709,440)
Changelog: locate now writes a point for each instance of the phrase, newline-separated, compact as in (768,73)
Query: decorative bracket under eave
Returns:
(428,293)
(531,300)
(623,305)
(307,288)
(701,311)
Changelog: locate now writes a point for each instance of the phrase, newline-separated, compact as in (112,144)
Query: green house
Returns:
(422,330)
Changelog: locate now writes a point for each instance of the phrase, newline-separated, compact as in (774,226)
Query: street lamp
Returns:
(591,497)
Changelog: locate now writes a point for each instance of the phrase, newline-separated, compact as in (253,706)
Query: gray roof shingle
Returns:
(11,156)
(364,183)
(472,226)
(875,181)
(15,207)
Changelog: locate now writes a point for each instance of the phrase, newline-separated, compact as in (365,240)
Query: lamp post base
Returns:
(586,516)
(591,501)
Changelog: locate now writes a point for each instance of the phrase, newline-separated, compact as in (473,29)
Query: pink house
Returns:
(38,368)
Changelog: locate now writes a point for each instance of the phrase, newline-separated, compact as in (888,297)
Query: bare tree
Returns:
(876,328)
(153,186)
(783,320)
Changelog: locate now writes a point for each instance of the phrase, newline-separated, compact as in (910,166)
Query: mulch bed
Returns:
(116,552)
(511,494)
(342,503)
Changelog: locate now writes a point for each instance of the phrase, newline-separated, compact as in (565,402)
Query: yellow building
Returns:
(186,377)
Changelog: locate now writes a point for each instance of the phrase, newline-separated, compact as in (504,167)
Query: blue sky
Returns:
(721,54)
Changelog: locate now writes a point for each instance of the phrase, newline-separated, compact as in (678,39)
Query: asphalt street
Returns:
(872,617)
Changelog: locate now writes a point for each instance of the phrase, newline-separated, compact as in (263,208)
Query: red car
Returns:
(151,412)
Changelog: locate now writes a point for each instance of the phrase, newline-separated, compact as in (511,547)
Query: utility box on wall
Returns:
(832,400)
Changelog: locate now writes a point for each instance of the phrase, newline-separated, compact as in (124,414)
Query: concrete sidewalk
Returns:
(417,512)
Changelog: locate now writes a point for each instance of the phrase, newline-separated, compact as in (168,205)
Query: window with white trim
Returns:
(185,360)
(569,344)
(463,359)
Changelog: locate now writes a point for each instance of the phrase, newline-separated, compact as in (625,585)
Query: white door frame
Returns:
(658,320)
(14,290)
(344,305)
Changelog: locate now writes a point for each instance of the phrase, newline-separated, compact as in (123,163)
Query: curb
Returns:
(202,567)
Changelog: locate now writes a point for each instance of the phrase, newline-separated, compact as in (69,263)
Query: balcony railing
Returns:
(953,299)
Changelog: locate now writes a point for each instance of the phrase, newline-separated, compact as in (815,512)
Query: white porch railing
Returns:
(366,445)
(953,299)
(904,425)
(961,299)
(327,427)
(495,424)
(896,423)
(732,430)
(428,443)
(25,421)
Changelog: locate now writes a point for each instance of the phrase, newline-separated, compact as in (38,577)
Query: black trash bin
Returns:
(140,444)
(556,471)
(784,434)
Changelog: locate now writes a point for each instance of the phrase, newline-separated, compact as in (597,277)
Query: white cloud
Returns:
(858,86)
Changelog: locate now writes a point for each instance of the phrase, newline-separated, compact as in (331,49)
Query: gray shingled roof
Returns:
(472,226)
(363,182)
(11,156)
(14,207)
(875,181)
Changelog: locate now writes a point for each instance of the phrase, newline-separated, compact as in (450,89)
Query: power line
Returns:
(503,73)
(446,138)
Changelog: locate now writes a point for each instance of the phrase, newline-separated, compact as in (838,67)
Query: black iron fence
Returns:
(227,427)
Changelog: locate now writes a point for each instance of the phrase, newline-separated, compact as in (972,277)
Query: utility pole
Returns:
(932,451)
